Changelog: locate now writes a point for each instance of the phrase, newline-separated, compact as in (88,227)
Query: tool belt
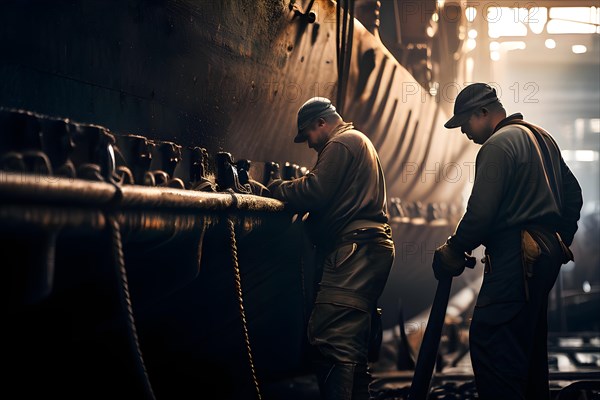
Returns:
(533,245)
(535,241)
(362,231)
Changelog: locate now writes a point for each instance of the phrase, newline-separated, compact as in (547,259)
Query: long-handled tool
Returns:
(431,339)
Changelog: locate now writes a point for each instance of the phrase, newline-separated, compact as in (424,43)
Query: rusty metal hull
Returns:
(226,76)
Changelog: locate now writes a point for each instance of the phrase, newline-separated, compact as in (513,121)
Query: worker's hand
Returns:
(449,262)
(273,185)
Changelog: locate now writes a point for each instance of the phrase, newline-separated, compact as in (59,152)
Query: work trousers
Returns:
(354,276)
(508,339)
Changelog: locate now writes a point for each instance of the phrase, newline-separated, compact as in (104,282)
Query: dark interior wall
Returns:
(74,340)
(163,69)
(109,63)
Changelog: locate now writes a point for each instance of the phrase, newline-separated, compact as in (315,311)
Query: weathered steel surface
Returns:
(226,76)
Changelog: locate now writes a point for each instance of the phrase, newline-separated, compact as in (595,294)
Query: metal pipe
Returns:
(45,190)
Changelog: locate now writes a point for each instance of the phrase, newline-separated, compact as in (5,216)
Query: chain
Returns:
(238,286)
(125,298)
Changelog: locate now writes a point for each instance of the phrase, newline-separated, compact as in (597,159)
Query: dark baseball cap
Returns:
(312,109)
(469,100)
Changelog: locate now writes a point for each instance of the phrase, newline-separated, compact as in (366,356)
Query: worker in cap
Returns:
(524,208)
(344,195)
(317,107)
(469,100)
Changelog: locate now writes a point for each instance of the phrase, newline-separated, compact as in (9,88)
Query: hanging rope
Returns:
(125,300)
(349,40)
(341,49)
(344,48)
(123,290)
(238,286)
(338,13)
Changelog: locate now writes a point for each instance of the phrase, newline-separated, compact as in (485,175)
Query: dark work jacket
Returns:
(511,191)
(346,184)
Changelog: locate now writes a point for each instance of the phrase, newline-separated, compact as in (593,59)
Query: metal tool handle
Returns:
(431,340)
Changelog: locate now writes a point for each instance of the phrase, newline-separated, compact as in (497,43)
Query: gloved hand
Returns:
(449,262)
